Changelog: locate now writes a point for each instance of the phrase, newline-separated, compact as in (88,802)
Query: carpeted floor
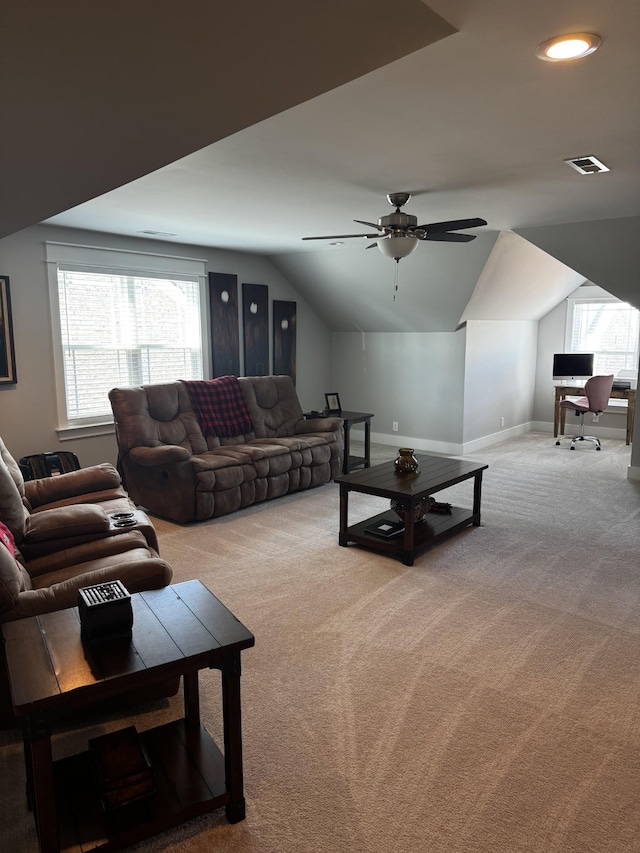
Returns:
(484,700)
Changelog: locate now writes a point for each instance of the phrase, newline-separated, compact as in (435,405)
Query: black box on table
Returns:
(105,612)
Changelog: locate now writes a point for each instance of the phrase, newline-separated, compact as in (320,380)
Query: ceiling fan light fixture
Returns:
(567,47)
(398,246)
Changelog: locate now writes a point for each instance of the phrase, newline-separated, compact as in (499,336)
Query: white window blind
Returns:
(122,327)
(608,328)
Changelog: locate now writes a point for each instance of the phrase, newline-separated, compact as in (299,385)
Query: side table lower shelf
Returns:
(426,534)
(189,781)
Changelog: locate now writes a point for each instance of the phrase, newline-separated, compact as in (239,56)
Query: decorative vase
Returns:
(419,511)
(405,462)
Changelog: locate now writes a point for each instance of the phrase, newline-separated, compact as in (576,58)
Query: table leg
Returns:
(343,538)
(40,781)
(631,405)
(190,689)
(477,494)
(408,541)
(367,443)
(232,723)
(556,416)
(347,449)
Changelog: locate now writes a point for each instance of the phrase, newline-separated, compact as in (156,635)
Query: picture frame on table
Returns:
(332,401)
(8,374)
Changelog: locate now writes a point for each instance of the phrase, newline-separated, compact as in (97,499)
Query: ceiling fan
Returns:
(399,233)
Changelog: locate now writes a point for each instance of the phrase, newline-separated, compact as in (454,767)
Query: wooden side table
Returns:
(350,462)
(177,631)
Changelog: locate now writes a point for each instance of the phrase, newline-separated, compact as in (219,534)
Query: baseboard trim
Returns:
(633,473)
(428,446)
(451,449)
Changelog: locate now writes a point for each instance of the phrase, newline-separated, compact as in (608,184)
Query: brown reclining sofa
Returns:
(175,470)
(65,537)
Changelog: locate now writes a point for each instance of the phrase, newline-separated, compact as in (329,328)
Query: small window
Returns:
(608,328)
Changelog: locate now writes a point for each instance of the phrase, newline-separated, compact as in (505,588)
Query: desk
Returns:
(349,419)
(562,391)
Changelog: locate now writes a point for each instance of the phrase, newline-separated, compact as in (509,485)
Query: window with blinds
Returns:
(610,329)
(120,330)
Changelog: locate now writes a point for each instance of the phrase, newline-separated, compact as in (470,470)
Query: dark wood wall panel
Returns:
(225,338)
(255,320)
(284,338)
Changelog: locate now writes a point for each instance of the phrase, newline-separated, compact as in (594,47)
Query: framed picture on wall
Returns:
(7,353)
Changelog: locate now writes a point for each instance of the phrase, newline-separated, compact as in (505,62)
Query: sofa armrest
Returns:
(64,522)
(166,454)
(72,484)
(332,424)
(137,576)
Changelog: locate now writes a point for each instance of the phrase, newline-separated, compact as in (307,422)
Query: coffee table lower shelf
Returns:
(435,528)
(189,781)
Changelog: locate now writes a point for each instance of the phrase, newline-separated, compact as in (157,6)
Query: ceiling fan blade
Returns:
(372,224)
(449,237)
(343,237)
(452,225)
(372,245)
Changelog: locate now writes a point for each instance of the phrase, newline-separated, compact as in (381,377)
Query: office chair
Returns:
(597,391)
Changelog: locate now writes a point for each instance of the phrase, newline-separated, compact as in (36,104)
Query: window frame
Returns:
(592,294)
(121,262)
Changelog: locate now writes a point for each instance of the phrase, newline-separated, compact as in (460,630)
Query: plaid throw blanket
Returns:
(220,406)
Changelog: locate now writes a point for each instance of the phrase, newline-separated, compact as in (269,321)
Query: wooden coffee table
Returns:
(435,473)
(177,631)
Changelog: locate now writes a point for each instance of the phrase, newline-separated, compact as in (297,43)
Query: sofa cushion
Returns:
(273,404)
(155,415)
(64,522)
(13,512)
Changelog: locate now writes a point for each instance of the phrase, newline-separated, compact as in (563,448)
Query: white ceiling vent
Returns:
(589,165)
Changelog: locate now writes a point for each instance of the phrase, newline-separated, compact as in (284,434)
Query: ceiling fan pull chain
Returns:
(396,279)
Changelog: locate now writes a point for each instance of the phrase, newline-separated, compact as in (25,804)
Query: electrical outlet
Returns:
(501,422)
(395,426)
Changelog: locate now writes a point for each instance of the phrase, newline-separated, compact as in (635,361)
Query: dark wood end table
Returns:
(177,631)
(435,473)
(350,462)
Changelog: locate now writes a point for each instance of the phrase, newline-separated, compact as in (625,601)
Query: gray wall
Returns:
(28,414)
(416,379)
(499,377)
(447,391)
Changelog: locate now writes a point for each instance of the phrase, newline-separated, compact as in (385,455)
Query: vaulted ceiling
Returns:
(250,125)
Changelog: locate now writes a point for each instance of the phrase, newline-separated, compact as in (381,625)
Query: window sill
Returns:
(69,433)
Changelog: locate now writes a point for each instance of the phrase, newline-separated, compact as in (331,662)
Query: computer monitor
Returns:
(572,365)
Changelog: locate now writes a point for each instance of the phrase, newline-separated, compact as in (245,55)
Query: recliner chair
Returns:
(597,392)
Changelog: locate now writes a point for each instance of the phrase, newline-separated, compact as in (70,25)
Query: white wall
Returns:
(500,366)
(416,379)
(28,415)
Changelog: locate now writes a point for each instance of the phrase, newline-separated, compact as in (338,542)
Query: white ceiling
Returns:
(473,124)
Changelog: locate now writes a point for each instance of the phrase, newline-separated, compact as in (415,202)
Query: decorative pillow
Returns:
(11,582)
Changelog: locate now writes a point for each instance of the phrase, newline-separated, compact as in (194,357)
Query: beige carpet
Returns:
(484,700)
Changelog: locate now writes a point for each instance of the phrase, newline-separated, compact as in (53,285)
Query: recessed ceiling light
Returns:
(337,243)
(570,46)
(150,233)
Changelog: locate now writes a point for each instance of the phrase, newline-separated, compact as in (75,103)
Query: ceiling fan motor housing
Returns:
(398,221)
